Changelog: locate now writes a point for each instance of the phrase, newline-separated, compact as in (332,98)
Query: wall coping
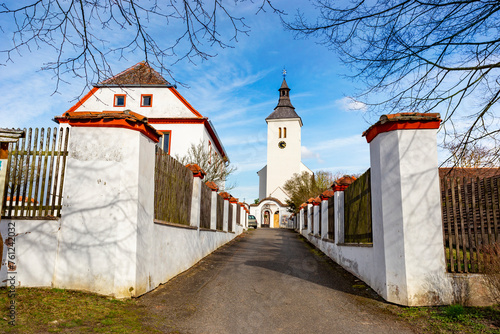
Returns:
(212,185)
(403,121)
(111,119)
(197,170)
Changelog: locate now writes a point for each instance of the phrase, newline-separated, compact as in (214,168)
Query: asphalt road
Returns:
(268,281)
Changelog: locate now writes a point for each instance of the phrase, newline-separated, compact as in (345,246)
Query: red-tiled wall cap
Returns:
(403,121)
(111,119)
(212,185)
(344,181)
(225,195)
(197,171)
(327,194)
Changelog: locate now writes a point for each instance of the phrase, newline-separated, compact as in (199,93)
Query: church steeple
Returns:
(284,109)
(284,100)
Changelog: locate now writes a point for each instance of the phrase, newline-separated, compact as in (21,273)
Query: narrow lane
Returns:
(269,281)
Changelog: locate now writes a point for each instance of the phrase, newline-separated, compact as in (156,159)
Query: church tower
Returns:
(283,147)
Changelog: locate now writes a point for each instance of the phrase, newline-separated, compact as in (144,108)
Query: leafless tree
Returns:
(85,34)
(216,168)
(473,156)
(420,56)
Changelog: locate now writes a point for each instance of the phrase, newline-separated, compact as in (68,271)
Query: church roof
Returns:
(284,109)
(141,74)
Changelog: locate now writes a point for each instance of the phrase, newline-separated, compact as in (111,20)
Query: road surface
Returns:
(268,281)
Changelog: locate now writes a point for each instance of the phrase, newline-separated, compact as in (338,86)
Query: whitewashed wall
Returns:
(405,264)
(106,240)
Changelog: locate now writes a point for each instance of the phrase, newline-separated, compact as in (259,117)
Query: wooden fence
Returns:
(305,217)
(238,214)
(319,215)
(173,190)
(471,220)
(220,213)
(35,175)
(205,206)
(230,218)
(357,211)
(331,219)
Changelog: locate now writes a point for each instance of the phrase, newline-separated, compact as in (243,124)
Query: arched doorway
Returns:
(266,218)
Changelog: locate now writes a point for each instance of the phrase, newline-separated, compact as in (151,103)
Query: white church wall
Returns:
(282,163)
(262,183)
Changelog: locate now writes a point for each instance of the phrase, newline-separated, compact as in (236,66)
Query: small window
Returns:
(164,142)
(119,100)
(146,100)
(280,133)
(284,132)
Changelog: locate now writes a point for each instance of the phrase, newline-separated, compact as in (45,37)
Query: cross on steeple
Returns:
(284,72)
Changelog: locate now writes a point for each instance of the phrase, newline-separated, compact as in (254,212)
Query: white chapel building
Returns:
(283,160)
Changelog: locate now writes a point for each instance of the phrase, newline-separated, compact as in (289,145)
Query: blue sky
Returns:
(237,90)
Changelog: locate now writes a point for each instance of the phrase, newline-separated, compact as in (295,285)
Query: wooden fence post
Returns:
(213,210)
(198,175)
(6,136)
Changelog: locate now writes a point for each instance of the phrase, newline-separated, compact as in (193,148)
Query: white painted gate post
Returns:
(406,211)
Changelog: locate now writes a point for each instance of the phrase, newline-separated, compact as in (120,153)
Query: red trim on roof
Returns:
(185,120)
(403,121)
(83,99)
(183,100)
(401,125)
(131,121)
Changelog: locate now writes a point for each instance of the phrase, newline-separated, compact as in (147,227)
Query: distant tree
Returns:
(256,201)
(301,187)
(424,56)
(473,156)
(217,169)
(84,34)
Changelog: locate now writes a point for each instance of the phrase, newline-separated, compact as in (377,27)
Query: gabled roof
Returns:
(141,74)
(284,109)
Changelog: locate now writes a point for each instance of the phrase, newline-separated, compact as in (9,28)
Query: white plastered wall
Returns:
(165,103)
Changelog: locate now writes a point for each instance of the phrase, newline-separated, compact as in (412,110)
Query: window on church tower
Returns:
(284,132)
(279,132)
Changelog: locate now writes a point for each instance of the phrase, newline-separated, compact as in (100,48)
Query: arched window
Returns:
(284,132)
(280,132)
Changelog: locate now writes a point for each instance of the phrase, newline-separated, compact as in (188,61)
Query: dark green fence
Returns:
(357,211)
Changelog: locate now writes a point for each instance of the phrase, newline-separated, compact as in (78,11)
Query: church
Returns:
(283,160)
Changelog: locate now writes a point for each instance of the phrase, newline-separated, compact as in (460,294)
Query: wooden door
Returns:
(276,220)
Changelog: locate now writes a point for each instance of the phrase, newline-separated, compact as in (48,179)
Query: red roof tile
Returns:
(225,195)
(212,185)
(197,170)
(121,119)
(468,172)
(139,74)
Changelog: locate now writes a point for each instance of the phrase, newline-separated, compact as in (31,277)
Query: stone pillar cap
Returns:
(403,121)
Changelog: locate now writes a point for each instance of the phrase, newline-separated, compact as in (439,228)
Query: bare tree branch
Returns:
(85,33)
(425,56)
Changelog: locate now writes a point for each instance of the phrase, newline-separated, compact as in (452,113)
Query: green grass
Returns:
(57,310)
(452,319)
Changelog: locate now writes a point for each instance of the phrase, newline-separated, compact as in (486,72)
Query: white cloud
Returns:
(348,103)
(308,154)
